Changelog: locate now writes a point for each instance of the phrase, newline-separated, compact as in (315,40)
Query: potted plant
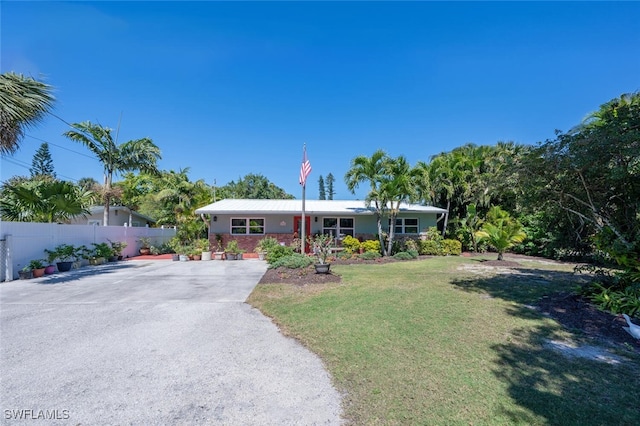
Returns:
(232,250)
(194,252)
(50,268)
(25,273)
(100,253)
(117,247)
(219,253)
(174,245)
(65,254)
(37,267)
(202,244)
(145,245)
(321,247)
(264,245)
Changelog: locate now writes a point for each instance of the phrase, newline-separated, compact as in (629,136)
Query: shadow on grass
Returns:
(557,383)
(520,285)
(564,387)
(83,272)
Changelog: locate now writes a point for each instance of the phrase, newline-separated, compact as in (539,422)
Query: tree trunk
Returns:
(500,256)
(446,218)
(107,188)
(380,237)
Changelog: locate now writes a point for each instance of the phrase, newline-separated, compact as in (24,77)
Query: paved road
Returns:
(150,343)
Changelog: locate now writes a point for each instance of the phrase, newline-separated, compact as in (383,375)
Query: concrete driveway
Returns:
(154,342)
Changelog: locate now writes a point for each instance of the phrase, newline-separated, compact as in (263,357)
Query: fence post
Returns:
(7,261)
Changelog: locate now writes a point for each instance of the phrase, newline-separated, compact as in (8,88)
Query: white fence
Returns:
(21,242)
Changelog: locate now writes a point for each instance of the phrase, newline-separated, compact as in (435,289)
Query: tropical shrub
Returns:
(370,255)
(406,255)
(616,300)
(266,244)
(371,246)
(501,231)
(430,248)
(451,247)
(351,244)
(292,261)
(277,252)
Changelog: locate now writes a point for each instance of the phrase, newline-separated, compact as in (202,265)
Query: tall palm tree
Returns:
(397,185)
(134,155)
(23,103)
(370,169)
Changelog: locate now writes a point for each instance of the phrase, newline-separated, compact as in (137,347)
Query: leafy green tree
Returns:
(330,190)
(500,231)
(592,173)
(255,186)
(43,200)
(323,192)
(88,183)
(24,102)
(134,155)
(42,164)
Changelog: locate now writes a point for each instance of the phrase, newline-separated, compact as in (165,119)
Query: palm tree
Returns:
(501,231)
(43,200)
(23,103)
(139,154)
(397,185)
(370,169)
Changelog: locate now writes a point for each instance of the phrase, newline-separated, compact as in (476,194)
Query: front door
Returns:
(297,228)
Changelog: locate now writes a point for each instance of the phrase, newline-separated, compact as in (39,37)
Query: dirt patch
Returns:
(578,314)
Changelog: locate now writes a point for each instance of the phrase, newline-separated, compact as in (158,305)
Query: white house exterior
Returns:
(251,220)
(118,216)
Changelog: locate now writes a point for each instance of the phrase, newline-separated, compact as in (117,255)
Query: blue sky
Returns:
(231,88)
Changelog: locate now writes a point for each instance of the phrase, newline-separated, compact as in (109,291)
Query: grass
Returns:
(431,342)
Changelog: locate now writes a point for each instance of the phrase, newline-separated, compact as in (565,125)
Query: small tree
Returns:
(42,164)
(330,191)
(501,231)
(323,192)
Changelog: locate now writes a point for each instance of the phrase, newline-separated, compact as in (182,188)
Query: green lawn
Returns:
(433,342)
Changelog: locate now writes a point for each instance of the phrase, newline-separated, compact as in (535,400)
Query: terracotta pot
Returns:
(145,251)
(37,273)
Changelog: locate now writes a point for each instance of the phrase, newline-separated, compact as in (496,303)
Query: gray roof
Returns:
(100,210)
(351,207)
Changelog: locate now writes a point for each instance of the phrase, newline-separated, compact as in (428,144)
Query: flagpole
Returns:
(302,248)
(305,169)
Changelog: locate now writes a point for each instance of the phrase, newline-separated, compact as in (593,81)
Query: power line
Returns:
(28,167)
(62,147)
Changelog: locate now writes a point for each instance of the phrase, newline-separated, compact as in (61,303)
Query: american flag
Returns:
(305,169)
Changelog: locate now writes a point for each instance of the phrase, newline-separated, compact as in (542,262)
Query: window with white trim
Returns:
(247,226)
(338,226)
(406,225)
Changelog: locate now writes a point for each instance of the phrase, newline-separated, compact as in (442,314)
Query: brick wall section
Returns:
(248,242)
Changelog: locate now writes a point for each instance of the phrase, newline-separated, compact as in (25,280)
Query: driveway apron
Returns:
(150,343)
